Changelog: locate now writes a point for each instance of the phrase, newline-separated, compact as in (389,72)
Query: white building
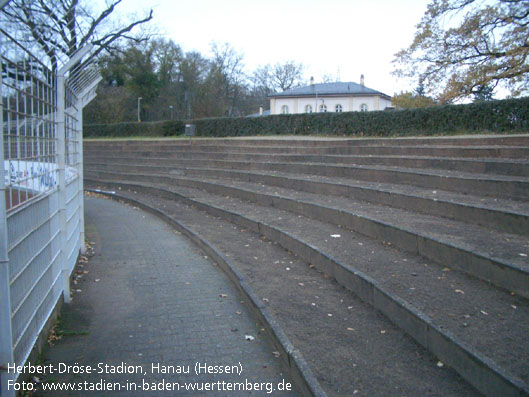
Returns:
(329,97)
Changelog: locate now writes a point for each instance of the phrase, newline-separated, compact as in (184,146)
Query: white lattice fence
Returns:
(41,198)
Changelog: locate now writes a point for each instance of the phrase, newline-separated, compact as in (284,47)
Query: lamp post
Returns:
(139,101)
(171,107)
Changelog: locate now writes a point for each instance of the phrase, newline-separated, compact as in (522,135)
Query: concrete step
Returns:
(489,255)
(513,152)
(446,302)
(497,214)
(484,166)
(307,141)
(516,188)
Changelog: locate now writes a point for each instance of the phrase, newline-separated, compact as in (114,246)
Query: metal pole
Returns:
(80,171)
(61,151)
(6,338)
(139,101)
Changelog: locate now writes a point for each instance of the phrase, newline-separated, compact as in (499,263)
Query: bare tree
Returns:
(227,77)
(280,77)
(61,27)
(287,75)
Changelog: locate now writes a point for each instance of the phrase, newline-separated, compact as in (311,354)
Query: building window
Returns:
(284,109)
(363,107)
(308,109)
(338,108)
(323,108)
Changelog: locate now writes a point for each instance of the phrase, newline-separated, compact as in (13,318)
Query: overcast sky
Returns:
(352,37)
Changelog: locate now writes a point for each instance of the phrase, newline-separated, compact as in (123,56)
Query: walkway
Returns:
(150,300)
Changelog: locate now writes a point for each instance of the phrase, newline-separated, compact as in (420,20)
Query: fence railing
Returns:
(41,192)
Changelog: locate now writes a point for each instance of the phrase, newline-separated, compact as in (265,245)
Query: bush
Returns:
(501,116)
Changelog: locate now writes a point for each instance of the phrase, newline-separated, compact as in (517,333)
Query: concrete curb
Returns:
(299,370)
(481,372)
(495,271)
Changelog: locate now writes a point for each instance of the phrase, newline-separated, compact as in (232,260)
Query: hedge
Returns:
(148,129)
(500,116)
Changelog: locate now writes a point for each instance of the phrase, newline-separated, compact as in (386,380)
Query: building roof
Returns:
(339,88)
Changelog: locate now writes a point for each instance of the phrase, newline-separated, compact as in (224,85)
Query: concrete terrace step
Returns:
(300,140)
(432,232)
(469,183)
(485,166)
(451,299)
(492,256)
(499,214)
(515,152)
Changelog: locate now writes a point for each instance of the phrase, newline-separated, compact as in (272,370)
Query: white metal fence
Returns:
(41,192)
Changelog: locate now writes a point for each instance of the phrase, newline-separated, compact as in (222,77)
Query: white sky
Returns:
(353,36)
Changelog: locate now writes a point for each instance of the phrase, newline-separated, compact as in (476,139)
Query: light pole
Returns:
(171,107)
(139,101)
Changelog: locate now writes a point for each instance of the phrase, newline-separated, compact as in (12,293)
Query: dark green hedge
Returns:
(154,129)
(492,116)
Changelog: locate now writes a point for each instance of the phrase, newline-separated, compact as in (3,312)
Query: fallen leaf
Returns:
(514,306)
(440,364)
(383,331)
(350,329)
(238,313)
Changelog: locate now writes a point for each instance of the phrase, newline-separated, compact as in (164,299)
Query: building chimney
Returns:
(260,110)
(362,80)
(311,80)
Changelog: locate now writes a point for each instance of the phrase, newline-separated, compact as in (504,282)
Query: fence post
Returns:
(80,170)
(61,164)
(6,337)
